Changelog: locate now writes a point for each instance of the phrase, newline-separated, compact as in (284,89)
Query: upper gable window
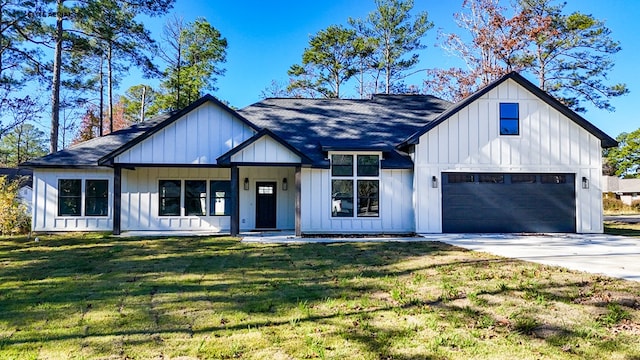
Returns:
(509,119)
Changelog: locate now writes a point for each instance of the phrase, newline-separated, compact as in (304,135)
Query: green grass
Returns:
(619,228)
(96,297)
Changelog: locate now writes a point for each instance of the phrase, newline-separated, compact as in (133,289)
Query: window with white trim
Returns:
(355,193)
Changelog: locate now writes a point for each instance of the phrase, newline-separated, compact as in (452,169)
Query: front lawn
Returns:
(93,296)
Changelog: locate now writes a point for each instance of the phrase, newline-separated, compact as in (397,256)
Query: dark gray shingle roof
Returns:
(87,154)
(316,125)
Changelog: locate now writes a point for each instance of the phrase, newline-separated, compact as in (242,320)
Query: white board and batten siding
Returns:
(285,199)
(45,201)
(140,200)
(395,204)
(265,150)
(199,137)
(469,141)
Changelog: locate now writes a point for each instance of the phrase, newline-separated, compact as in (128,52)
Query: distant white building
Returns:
(25,192)
(627,190)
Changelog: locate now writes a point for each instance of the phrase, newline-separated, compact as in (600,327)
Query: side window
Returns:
(170,192)
(509,119)
(69,197)
(220,201)
(96,198)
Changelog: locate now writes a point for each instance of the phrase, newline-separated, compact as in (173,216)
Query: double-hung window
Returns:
(355,193)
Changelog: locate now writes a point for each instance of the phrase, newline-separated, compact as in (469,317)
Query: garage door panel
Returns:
(509,207)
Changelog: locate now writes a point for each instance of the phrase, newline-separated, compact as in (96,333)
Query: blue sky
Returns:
(266,37)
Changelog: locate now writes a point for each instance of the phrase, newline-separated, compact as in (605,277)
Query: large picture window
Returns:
(220,198)
(69,197)
(509,119)
(195,197)
(96,197)
(170,192)
(355,193)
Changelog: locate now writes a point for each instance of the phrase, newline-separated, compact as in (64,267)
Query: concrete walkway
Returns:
(616,256)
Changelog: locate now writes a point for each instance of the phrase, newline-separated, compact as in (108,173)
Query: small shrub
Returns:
(612,204)
(14,218)
(635,205)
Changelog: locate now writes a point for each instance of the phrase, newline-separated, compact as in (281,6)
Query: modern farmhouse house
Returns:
(509,158)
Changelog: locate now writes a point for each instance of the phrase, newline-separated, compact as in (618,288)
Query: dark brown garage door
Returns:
(504,203)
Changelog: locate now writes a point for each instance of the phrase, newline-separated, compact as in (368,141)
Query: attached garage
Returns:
(508,202)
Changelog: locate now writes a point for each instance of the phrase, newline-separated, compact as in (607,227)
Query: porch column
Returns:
(117,199)
(235,201)
(298,200)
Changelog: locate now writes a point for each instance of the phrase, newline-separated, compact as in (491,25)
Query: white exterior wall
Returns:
(140,199)
(396,211)
(469,141)
(286,200)
(265,150)
(45,201)
(200,137)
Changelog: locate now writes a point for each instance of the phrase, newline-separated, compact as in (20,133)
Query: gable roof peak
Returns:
(606,140)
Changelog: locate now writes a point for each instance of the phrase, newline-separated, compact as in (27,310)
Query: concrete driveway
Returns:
(616,256)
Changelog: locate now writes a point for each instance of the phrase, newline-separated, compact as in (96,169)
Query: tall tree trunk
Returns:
(55,94)
(142,102)
(101,110)
(179,67)
(110,81)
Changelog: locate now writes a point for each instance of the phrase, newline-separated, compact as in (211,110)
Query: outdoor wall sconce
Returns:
(585,182)
(246,183)
(434,182)
(285,184)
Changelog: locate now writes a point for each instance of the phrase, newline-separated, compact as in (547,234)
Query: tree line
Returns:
(79,50)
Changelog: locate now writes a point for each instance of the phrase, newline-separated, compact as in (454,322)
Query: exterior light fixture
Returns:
(285,184)
(585,182)
(434,182)
(246,183)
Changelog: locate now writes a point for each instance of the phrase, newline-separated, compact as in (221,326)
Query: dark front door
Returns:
(266,205)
